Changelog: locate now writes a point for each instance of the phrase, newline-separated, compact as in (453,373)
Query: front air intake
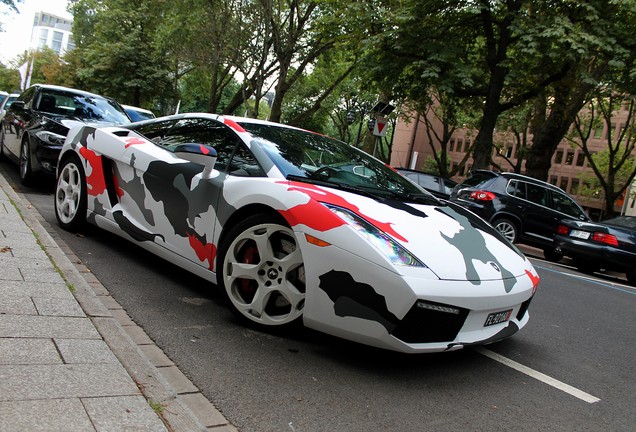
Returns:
(429,322)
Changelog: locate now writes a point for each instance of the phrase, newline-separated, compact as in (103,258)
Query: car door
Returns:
(181,207)
(539,220)
(15,121)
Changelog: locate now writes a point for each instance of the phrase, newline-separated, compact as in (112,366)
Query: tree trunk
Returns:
(569,99)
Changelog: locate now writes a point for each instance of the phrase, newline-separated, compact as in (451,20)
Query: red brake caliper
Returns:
(247,287)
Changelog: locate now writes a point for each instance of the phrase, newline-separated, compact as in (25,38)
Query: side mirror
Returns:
(198,153)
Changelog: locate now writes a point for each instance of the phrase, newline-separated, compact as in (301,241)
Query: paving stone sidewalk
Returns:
(70,357)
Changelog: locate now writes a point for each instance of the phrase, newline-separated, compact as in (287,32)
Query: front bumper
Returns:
(372,305)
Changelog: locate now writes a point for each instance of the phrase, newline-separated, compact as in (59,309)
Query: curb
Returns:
(183,410)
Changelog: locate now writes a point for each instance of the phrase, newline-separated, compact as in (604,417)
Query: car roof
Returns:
(69,89)
(135,108)
(515,176)
(217,117)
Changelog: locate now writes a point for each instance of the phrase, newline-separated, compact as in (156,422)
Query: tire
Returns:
(507,228)
(2,138)
(552,254)
(70,195)
(585,266)
(262,273)
(26,173)
(631,276)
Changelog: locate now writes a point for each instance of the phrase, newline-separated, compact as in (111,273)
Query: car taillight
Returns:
(605,238)
(482,195)
(562,230)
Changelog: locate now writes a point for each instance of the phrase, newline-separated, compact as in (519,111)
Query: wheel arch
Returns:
(244,212)
(510,216)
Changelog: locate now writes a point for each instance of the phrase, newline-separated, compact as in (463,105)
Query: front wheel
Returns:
(26,172)
(70,195)
(506,228)
(262,272)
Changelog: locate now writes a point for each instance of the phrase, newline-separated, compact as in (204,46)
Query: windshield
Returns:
(311,156)
(90,108)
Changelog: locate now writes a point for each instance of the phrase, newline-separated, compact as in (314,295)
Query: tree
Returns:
(503,52)
(9,78)
(597,46)
(116,39)
(614,167)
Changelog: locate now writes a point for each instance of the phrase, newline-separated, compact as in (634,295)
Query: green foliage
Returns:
(9,79)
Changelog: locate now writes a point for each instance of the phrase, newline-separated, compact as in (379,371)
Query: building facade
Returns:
(51,31)
(569,167)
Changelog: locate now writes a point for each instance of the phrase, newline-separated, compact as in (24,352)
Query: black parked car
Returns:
(35,125)
(523,209)
(609,245)
(437,185)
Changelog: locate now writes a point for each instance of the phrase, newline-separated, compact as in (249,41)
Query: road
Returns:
(570,369)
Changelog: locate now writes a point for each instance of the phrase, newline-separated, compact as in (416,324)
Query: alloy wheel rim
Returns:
(68,193)
(264,275)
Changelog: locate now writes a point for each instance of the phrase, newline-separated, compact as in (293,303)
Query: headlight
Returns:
(385,244)
(51,138)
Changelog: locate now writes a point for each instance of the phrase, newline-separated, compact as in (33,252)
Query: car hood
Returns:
(451,241)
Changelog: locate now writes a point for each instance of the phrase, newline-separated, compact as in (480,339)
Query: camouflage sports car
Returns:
(295,227)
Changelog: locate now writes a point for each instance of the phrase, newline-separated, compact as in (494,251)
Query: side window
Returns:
(511,187)
(204,131)
(519,189)
(243,163)
(428,182)
(537,194)
(155,132)
(564,204)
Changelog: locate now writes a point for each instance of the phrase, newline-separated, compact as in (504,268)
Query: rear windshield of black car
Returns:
(478,178)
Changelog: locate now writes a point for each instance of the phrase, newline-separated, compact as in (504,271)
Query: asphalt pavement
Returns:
(71,359)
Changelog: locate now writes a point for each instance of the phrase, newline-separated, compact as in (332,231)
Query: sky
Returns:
(14,40)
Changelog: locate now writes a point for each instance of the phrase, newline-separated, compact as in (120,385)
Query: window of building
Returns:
(612,130)
(558,156)
(564,183)
(508,152)
(580,159)
(574,187)
(44,35)
(553,180)
(459,144)
(451,145)
(569,158)
(466,145)
(57,41)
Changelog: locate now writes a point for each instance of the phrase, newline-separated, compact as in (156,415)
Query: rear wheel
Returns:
(506,228)
(585,266)
(262,272)
(70,195)
(631,276)
(552,254)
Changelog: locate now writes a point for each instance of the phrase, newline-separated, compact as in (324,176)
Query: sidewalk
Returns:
(70,357)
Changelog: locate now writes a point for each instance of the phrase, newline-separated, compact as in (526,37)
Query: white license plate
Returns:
(580,234)
(498,317)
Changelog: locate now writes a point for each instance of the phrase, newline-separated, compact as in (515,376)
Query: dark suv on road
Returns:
(523,209)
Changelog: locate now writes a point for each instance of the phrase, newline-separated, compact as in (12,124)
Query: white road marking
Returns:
(538,375)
